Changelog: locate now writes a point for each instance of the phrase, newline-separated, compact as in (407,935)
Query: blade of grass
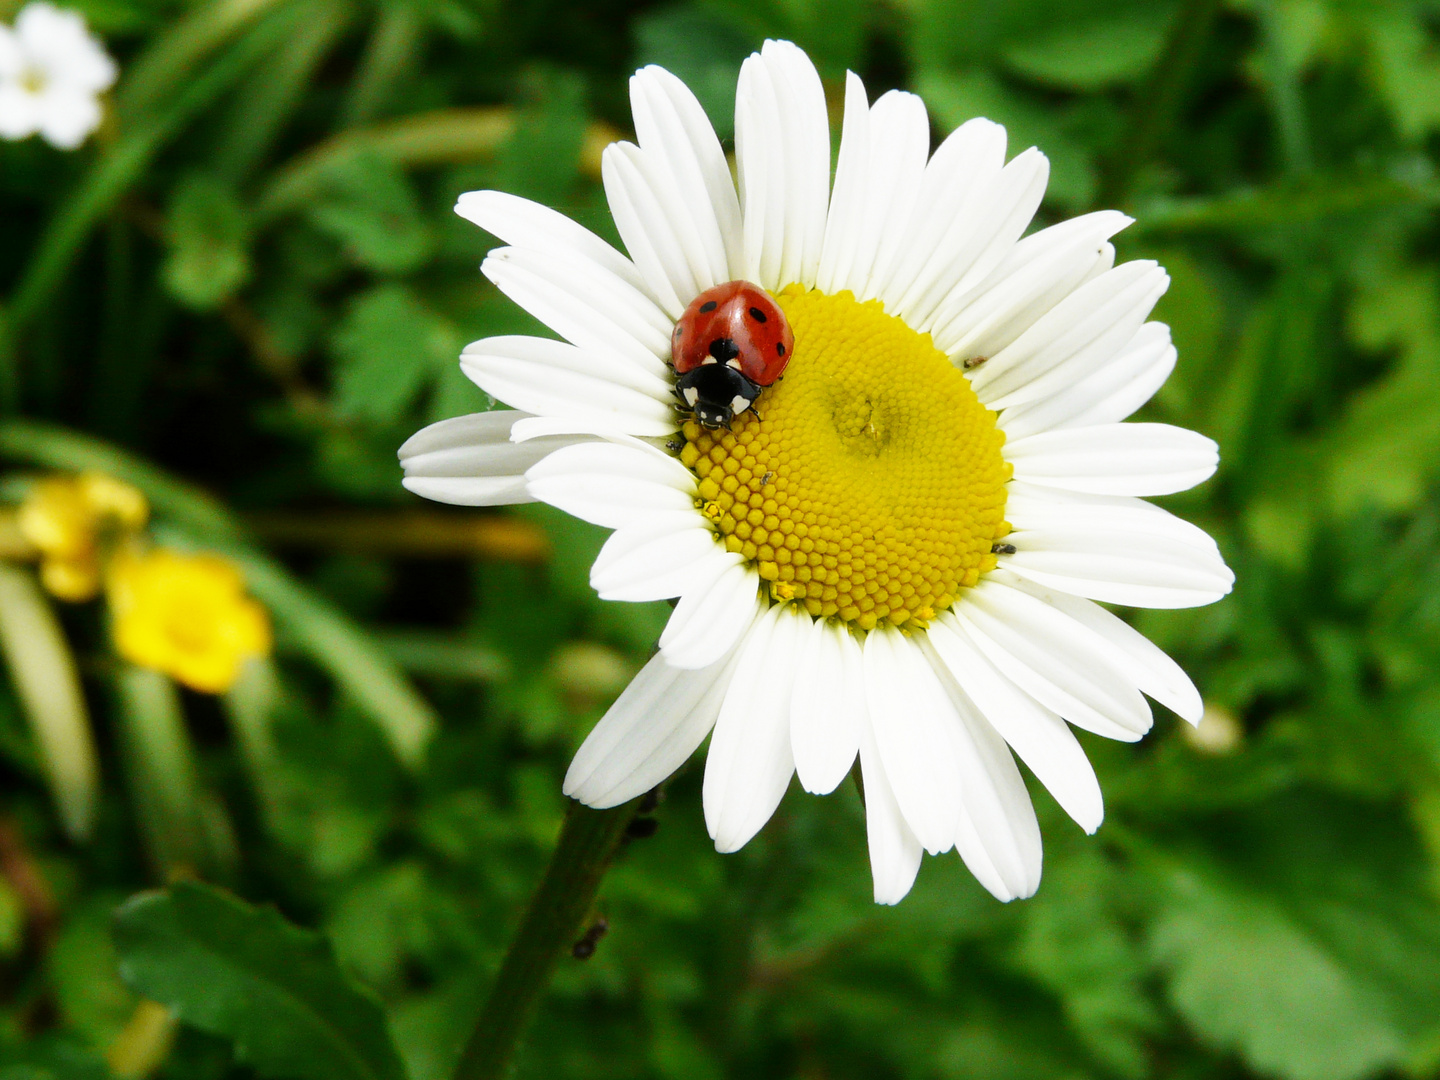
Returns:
(433,138)
(43,671)
(172,60)
(277,87)
(393,46)
(160,761)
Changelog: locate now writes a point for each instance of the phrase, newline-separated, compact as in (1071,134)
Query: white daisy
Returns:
(900,560)
(52,71)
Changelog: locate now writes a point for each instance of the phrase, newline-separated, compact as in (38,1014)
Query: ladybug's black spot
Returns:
(779,348)
(757,314)
(708,306)
(724,349)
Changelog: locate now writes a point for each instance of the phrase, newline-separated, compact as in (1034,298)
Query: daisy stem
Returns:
(588,841)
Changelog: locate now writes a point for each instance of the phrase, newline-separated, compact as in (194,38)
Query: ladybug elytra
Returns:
(732,342)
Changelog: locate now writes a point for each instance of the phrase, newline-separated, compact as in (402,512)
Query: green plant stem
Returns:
(1158,103)
(587,843)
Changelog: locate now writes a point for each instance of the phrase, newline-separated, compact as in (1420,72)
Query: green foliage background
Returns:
(250,284)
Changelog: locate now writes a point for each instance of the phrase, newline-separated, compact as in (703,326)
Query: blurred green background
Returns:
(248,289)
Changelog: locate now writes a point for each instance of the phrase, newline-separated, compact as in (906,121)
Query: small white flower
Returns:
(52,71)
(898,559)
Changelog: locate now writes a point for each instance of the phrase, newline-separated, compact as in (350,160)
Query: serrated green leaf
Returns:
(389,346)
(371,209)
(208,256)
(246,974)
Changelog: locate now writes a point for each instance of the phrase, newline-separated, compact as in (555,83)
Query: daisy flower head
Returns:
(52,71)
(895,554)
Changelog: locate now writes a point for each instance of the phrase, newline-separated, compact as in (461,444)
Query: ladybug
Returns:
(732,342)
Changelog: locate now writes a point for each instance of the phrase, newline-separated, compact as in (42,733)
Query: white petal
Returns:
(782,145)
(1115,459)
(676,136)
(20,112)
(846,220)
(470,460)
(1026,640)
(709,619)
(661,211)
(650,731)
(1128,651)
(1107,395)
(1038,273)
(908,715)
(1043,740)
(1139,570)
(598,321)
(657,557)
(979,238)
(68,115)
(525,224)
(646,234)
(997,806)
(890,146)
(1077,335)
(1041,516)
(827,707)
(553,378)
(977,860)
(612,485)
(894,851)
(959,173)
(749,765)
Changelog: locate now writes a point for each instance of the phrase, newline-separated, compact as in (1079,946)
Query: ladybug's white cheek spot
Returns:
(739,404)
(691,396)
(870,486)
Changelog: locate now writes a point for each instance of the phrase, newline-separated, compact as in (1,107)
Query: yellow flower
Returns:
(69,519)
(185,615)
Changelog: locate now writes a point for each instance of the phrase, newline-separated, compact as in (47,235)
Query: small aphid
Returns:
(585,947)
(675,445)
(974,362)
(1002,549)
(769,476)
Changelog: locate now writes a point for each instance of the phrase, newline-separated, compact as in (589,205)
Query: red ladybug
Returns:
(732,341)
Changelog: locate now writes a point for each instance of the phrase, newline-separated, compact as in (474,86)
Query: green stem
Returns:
(1158,103)
(587,843)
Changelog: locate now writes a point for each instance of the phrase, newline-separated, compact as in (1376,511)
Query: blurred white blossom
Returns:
(52,70)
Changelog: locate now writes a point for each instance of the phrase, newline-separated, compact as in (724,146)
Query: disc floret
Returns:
(873,489)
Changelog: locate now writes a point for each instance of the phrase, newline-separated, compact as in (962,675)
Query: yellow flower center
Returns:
(873,488)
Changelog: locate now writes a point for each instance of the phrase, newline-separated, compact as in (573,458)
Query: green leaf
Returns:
(370,208)
(1088,53)
(1075,944)
(389,347)
(208,257)
(1314,951)
(246,974)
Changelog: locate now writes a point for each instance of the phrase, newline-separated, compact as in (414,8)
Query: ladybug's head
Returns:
(716,393)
